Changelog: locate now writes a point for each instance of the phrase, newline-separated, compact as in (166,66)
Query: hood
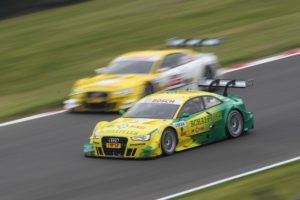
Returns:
(132,127)
(112,82)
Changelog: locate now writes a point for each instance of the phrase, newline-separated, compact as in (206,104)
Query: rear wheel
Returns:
(235,124)
(168,141)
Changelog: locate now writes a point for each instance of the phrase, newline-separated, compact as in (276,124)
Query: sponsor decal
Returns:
(123,126)
(118,131)
(137,126)
(199,129)
(140,120)
(162,101)
(207,119)
(179,124)
(167,101)
(138,144)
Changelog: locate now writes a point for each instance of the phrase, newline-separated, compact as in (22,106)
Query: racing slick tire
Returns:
(149,89)
(235,124)
(168,142)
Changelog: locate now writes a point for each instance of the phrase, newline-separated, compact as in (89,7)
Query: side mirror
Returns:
(100,70)
(122,112)
(185,115)
(160,70)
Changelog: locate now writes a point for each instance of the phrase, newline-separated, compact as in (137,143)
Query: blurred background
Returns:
(45,45)
(43,51)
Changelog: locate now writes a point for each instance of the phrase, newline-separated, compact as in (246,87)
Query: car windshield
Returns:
(152,111)
(129,67)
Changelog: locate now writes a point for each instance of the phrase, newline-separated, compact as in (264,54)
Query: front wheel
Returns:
(168,142)
(235,124)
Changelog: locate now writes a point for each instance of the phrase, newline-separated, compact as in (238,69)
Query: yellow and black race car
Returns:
(137,74)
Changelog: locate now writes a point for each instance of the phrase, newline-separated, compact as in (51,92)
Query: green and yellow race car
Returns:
(171,121)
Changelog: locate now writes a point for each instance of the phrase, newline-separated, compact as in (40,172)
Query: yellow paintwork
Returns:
(130,127)
(135,82)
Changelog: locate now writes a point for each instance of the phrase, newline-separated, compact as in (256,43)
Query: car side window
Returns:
(210,101)
(192,106)
(173,60)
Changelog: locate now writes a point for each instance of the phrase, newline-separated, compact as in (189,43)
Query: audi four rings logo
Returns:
(113,140)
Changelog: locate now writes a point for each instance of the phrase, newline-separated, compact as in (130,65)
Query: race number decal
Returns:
(179,124)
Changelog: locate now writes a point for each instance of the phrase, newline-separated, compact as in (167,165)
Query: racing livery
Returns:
(170,121)
(137,74)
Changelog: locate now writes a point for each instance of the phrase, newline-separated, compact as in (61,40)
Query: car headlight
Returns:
(141,138)
(96,136)
(77,91)
(123,92)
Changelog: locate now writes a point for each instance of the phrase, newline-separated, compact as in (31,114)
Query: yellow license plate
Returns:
(113,145)
(95,100)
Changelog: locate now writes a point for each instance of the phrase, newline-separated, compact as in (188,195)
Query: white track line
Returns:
(260,61)
(31,117)
(226,70)
(230,178)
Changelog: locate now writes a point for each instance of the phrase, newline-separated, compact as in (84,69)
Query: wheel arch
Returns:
(237,109)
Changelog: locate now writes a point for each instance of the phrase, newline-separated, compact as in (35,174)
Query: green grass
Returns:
(42,54)
(282,183)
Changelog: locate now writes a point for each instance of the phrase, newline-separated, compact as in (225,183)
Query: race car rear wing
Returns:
(225,83)
(193,42)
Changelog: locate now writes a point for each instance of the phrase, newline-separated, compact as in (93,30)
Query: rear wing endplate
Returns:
(193,42)
(225,83)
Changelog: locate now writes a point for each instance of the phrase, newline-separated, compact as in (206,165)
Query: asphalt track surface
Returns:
(42,158)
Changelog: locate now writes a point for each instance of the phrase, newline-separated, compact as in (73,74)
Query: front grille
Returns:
(96,94)
(96,106)
(114,152)
(101,105)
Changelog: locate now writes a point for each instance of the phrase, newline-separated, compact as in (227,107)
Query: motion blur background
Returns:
(43,51)
(45,45)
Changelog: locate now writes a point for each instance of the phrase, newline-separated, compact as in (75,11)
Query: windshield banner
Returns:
(161,101)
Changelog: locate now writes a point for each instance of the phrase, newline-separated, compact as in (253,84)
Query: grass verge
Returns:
(280,183)
(42,54)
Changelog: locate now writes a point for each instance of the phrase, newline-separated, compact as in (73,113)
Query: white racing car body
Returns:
(186,76)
